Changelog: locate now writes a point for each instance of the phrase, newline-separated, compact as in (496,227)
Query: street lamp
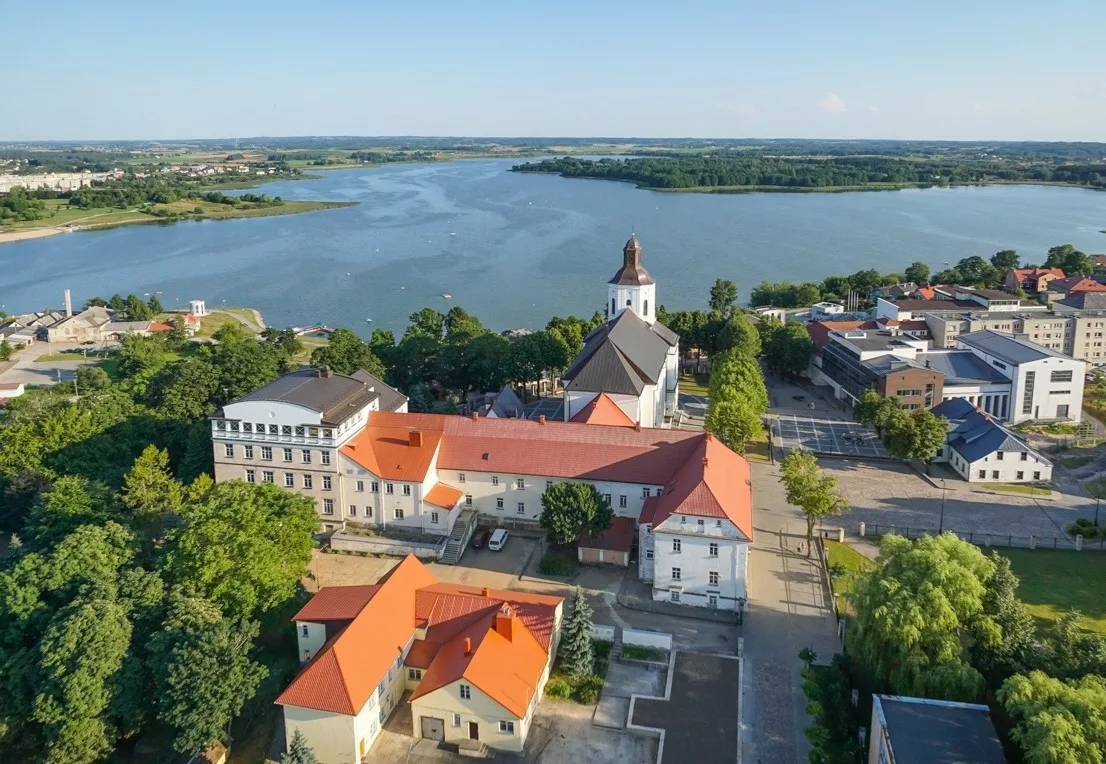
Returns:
(941,525)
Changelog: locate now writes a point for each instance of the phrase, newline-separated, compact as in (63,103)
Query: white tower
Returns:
(632,287)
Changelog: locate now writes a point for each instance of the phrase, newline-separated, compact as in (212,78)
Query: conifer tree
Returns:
(299,752)
(576,652)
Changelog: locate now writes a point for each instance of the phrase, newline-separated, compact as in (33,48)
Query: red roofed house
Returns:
(1031,280)
(1075,285)
(475,662)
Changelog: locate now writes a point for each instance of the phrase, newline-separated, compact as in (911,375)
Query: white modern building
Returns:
(981,450)
(631,358)
(826,311)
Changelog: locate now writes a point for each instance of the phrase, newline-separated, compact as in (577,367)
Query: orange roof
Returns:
(394,452)
(602,410)
(715,482)
(346,671)
(157,326)
(1021,274)
(444,496)
(927,293)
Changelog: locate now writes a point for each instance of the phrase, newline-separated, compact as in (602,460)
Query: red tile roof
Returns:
(157,326)
(714,482)
(619,537)
(1076,284)
(336,603)
(444,496)
(602,410)
(927,293)
(394,452)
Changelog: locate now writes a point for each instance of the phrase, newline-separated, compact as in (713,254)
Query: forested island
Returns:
(738,172)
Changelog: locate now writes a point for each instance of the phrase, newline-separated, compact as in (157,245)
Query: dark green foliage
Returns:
(575,655)
(789,349)
(834,735)
(571,508)
(723,295)
(346,353)
(298,751)
(1070,260)
(917,272)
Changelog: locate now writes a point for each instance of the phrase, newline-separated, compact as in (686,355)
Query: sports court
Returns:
(828,436)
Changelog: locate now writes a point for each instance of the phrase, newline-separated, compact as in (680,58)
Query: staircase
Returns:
(462,530)
(616,648)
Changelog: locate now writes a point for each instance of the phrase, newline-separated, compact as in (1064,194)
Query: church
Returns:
(632,360)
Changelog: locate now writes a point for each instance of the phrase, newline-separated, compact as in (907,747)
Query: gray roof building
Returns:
(1007,347)
(335,396)
(961,367)
(974,435)
(922,731)
(622,356)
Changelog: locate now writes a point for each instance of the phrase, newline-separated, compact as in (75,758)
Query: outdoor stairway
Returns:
(455,545)
(616,648)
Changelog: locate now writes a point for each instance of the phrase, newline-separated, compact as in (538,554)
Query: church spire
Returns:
(632,271)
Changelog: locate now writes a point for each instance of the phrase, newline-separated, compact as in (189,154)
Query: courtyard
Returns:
(827,436)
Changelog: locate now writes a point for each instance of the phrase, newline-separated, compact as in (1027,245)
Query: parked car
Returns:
(499,538)
(480,538)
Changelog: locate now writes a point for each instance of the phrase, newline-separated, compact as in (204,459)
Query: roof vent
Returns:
(541,419)
(486,592)
(485,456)
(637,426)
(468,645)
(415,439)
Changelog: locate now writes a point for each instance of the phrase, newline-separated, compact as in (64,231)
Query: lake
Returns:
(517,248)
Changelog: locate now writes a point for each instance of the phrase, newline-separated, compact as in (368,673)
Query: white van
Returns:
(499,538)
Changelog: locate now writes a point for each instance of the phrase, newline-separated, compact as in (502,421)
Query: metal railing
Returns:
(990,539)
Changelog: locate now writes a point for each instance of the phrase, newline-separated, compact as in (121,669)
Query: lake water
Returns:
(518,248)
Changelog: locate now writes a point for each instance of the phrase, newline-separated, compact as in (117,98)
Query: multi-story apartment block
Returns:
(288,432)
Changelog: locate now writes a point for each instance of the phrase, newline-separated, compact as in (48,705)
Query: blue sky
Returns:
(963,69)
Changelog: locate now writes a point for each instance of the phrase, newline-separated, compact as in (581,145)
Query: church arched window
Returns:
(627,302)
(612,306)
(646,308)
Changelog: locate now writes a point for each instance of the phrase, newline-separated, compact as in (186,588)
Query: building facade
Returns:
(981,450)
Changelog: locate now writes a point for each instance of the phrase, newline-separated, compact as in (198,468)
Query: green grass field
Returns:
(1055,581)
(1074,462)
(695,384)
(1032,490)
(845,564)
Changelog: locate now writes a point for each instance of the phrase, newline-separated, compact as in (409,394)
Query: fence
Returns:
(602,633)
(646,638)
(991,539)
(349,542)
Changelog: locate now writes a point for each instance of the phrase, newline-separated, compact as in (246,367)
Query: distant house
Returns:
(86,326)
(9,391)
(1075,285)
(981,450)
(502,405)
(922,731)
(824,311)
(1031,280)
(894,291)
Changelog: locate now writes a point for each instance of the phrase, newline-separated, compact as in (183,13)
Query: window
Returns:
(712,578)
(520,509)
(520,482)
(649,554)
(434,518)
(406,489)
(1025,456)
(1020,475)
(234,426)
(675,574)
(499,503)
(683,520)
(998,455)
(273,429)
(645,307)
(299,431)
(287,454)
(1062,411)
(607,498)
(398,513)
(325,456)
(676,545)
(353,510)
(1059,392)
(249,476)
(368,511)
(289,480)
(649,529)
(307,482)
(456,720)
(460,477)
(982,474)
(286,429)
(359,486)
(389,488)
(622,501)
(414,674)
(699,522)
(674,596)
(328,506)
(466,692)
(548,484)
(266,453)
(506,728)
(1065,376)
(994,474)
(1036,475)
(313,432)
(304,630)
(468,499)
(612,307)
(713,550)
(220,425)
(305,456)
(645,492)
(328,433)
(1027,394)
(374,487)
(326,482)
(248,451)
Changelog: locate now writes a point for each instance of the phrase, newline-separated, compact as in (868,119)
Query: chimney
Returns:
(505,622)
(68,304)
(415,439)
(485,592)
(637,426)
(475,416)
(541,419)
(327,373)
(468,645)
(706,461)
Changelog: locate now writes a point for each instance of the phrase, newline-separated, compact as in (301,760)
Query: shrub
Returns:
(1085,528)
(587,689)
(641,653)
(556,565)
(558,688)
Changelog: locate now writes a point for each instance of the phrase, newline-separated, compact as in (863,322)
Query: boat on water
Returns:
(447,296)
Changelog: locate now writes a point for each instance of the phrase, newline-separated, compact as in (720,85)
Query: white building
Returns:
(825,311)
(1045,384)
(632,358)
(981,450)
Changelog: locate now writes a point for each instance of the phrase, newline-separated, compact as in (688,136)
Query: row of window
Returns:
(274,429)
(999,455)
(712,576)
(267,454)
(677,546)
(268,476)
(1020,475)
(520,483)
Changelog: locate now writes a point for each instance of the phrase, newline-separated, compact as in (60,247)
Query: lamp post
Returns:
(941,525)
(1097,502)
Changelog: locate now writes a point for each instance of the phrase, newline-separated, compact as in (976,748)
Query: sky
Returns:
(939,69)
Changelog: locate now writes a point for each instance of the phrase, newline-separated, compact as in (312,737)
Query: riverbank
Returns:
(72,220)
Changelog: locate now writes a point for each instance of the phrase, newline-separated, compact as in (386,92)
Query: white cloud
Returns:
(831,103)
(874,109)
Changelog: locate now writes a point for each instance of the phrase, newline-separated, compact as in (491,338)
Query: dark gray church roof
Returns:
(623,356)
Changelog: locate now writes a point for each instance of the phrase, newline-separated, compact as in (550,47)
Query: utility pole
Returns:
(941,525)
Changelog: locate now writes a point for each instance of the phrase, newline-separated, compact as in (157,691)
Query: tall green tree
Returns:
(576,652)
(867,406)
(150,492)
(69,502)
(1011,653)
(734,421)
(918,434)
(736,374)
(737,332)
(917,272)
(1070,260)
(5,350)
(345,353)
(427,323)
(571,508)
(789,349)
(1005,261)
(154,305)
(91,378)
(815,493)
(723,296)
(1057,722)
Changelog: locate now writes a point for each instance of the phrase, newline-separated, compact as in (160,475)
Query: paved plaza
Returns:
(552,408)
(827,436)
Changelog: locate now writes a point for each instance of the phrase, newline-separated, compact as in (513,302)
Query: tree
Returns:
(917,272)
(139,355)
(231,332)
(576,653)
(285,340)
(243,367)
(461,326)
(867,407)
(789,349)
(204,674)
(149,489)
(948,276)
(154,304)
(917,611)
(1005,261)
(735,374)
(807,488)
(5,350)
(1070,260)
(568,509)
(92,378)
(723,295)
(426,323)
(887,409)
(865,282)
(737,332)
(918,434)
(136,309)
(346,353)
(734,421)
(1057,722)
(186,389)
(68,503)
(116,304)
(177,334)
(243,546)
(1001,603)
(298,751)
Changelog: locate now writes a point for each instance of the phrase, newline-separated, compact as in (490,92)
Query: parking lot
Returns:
(551,408)
(828,436)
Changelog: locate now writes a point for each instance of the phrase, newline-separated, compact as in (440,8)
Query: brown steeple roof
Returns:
(632,273)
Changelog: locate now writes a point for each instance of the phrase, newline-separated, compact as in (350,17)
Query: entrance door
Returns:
(474,731)
(433,729)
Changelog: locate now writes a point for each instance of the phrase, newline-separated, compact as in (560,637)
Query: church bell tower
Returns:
(632,288)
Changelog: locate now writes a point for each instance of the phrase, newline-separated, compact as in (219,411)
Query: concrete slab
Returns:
(624,680)
(611,712)
(827,436)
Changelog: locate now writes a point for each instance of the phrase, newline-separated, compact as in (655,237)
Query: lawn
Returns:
(1055,581)
(1032,490)
(1075,462)
(757,449)
(845,564)
(1097,488)
(695,384)
(59,357)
